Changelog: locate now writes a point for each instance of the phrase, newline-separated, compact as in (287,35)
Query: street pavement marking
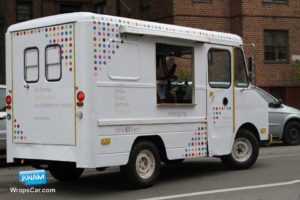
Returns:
(277,156)
(223,190)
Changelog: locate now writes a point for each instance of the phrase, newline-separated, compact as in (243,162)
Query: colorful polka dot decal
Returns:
(106,41)
(161,27)
(197,146)
(18,134)
(62,35)
(218,111)
(107,38)
(59,34)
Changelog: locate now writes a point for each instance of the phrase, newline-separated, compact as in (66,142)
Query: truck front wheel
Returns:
(291,135)
(244,152)
(143,167)
(64,171)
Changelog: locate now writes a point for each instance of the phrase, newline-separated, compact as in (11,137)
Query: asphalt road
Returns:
(275,176)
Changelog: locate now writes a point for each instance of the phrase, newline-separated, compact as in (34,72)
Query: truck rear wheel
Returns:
(64,171)
(244,152)
(143,167)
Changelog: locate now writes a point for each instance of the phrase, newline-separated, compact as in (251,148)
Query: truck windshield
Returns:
(2,99)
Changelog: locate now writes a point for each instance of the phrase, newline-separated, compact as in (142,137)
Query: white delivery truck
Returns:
(91,91)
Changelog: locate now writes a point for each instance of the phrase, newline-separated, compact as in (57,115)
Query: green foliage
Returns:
(296,64)
(183,75)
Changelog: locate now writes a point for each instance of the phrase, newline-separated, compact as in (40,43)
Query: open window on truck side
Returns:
(53,70)
(31,65)
(174,74)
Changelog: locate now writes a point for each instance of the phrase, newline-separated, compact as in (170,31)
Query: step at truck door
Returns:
(43,85)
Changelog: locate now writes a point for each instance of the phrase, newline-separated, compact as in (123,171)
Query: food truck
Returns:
(91,91)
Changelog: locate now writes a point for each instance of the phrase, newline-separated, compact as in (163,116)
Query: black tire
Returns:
(142,149)
(174,162)
(64,171)
(291,134)
(245,139)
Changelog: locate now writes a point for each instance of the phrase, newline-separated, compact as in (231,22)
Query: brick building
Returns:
(273,26)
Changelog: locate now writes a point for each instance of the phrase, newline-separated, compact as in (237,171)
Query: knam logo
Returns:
(33,177)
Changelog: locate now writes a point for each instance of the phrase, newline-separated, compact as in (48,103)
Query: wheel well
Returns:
(291,120)
(251,128)
(157,141)
(286,123)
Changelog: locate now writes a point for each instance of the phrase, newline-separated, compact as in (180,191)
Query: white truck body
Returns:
(112,60)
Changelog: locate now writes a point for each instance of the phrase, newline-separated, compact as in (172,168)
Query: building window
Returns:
(70,8)
(24,11)
(276,46)
(174,74)
(145,5)
(100,8)
(219,68)
(275,1)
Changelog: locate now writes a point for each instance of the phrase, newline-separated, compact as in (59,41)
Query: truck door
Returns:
(219,99)
(43,85)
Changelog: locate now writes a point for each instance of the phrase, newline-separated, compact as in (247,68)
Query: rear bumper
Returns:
(41,152)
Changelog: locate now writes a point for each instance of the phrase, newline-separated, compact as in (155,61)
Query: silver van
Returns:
(284,121)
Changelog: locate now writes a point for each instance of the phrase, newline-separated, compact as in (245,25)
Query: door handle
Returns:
(26,86)
(225,101)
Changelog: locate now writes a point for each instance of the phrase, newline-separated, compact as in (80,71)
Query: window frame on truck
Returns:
(32,66)
(212,83)
(244,68)
(47,64)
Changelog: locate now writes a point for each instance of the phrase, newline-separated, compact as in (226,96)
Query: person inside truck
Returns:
(165,73)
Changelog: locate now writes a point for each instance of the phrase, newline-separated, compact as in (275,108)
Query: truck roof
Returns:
(133,26)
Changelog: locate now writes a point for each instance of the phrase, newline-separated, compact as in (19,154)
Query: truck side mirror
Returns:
(276,104)
(250,69)
(250,64)
(279,102)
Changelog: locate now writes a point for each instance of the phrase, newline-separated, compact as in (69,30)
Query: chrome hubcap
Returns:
(242,149)
(145,164)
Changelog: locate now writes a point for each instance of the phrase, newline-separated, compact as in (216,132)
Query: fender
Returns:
(286,120)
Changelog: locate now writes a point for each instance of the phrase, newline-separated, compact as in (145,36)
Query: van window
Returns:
(53,63)
(241,78)
(31,65)
(174,74)
(219,68)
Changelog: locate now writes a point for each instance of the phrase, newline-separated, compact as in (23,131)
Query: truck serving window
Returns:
(53,63)
(174,74)
(219,68)
(31,65)
(241,78)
